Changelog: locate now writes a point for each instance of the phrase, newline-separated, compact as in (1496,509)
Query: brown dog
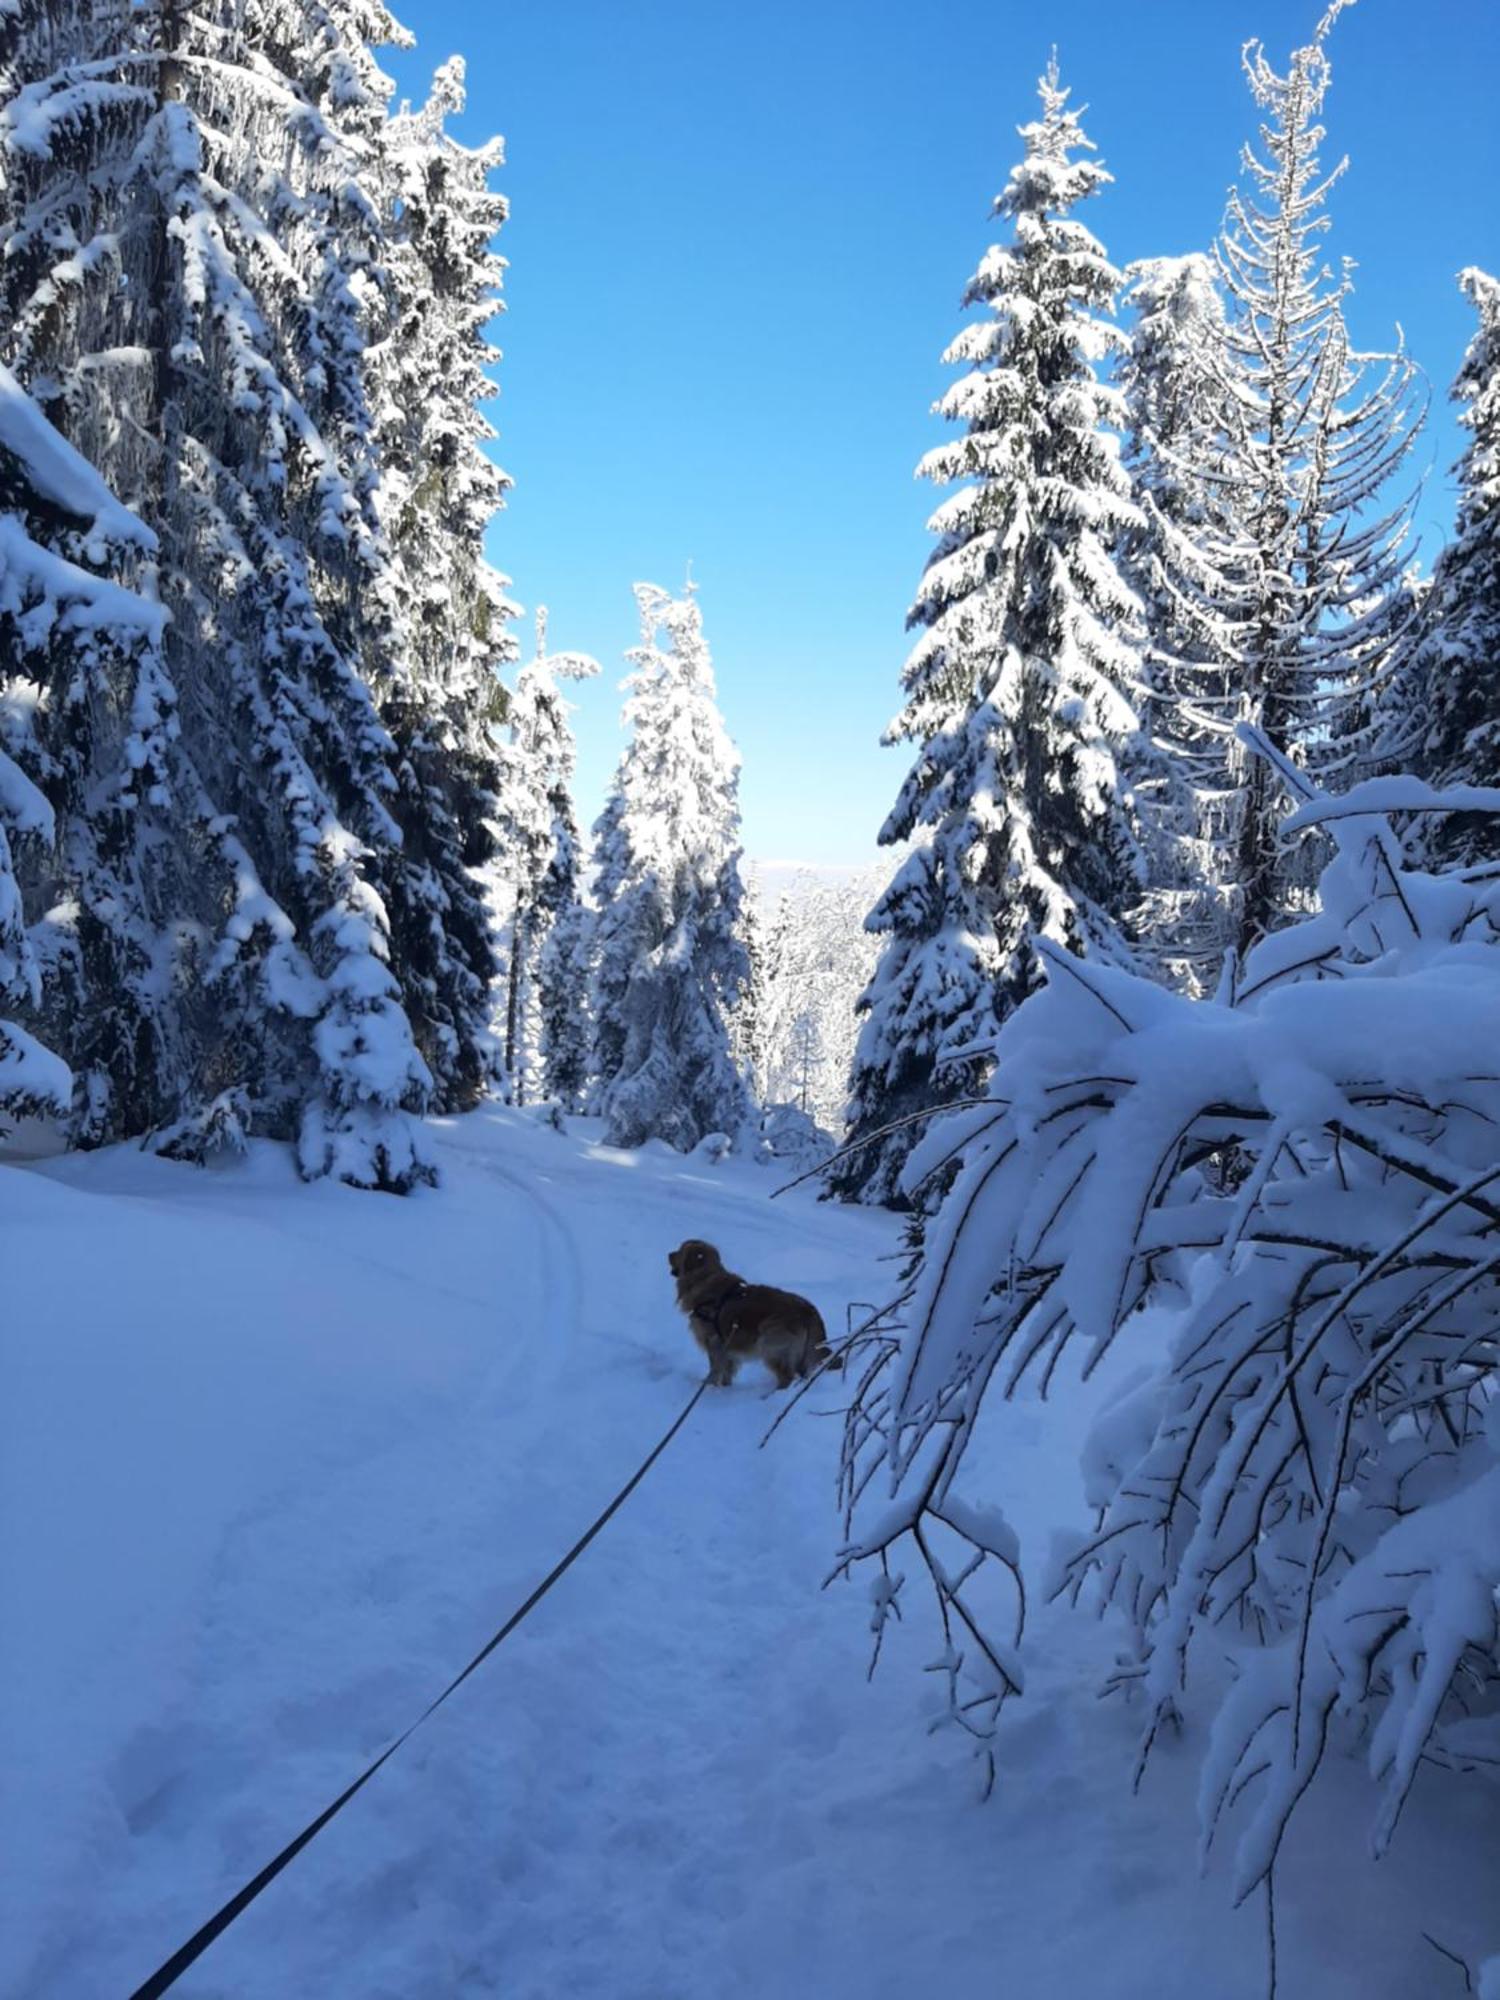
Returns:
(734,1322)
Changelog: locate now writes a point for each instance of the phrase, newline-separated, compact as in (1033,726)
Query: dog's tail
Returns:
(819,1353)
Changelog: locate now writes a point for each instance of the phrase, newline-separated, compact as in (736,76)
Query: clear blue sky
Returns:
(738,238)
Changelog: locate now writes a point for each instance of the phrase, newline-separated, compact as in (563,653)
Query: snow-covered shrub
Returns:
(1288,1196)
(222,1126)
(790,1137)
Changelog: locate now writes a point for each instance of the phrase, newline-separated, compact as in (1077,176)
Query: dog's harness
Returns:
(736,1290)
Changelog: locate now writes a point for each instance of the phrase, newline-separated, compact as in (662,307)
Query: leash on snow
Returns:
(172,1970)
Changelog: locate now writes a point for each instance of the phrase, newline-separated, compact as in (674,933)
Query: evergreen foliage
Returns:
(671,957)
(1282,1197)
(1020,686)
(1306,556)
(202,252)
(1456,686)
(538,859)
(74,645)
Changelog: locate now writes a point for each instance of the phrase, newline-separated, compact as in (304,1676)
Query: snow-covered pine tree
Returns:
(564,970)
(73,642)
(536,864)
(1458,662)
(1019,689)
(749,1018)
(1321,619)
(827,960)
(1180,559)
(438,491)
(609,954)
(671,961)
(807,1056)
(783,973)
(191,216)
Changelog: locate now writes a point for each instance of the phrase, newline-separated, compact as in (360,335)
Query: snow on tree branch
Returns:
(1286,1198)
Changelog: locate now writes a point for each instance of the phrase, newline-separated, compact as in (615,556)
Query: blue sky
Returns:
(737,243)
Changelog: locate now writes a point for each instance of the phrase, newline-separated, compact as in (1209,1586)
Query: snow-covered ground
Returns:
(275,1459)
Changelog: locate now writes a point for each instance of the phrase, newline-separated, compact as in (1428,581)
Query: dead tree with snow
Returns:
(1298,569)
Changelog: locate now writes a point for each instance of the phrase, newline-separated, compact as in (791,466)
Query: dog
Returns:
(734,1322)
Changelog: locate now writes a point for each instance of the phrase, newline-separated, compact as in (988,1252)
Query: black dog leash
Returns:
(169,1973)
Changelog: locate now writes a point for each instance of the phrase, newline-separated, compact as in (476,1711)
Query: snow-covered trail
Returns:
(277,1459)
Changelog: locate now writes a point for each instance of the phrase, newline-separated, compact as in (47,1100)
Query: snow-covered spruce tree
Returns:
(1458,663)
(1019,688)
(1182,559)
(609,969)
(773,967)
(1303,1483)
(72,642)
(671,961)
(536,863)
(819,958)
(808,1056)
(750,1018)
(192,222)
(564,971)
(438,491)
(1317,619)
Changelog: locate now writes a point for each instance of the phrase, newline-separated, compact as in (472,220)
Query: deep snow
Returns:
(275,1459)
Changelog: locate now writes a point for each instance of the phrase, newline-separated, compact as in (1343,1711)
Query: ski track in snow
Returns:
(287,1457)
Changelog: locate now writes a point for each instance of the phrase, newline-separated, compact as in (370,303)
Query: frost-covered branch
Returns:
(1285,1199)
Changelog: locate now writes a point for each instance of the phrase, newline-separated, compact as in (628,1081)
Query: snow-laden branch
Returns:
(1287,1197)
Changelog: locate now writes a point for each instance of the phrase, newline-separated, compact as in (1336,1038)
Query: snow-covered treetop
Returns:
(1047,177)
(1037,459)
(680,776)
(536,762)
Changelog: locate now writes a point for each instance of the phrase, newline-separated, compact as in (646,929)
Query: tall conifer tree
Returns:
(1318,621)
(1019,689)
(1458,667)
(450,609)
(1181,560)
(197,223)
(538,844)
(671,963)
